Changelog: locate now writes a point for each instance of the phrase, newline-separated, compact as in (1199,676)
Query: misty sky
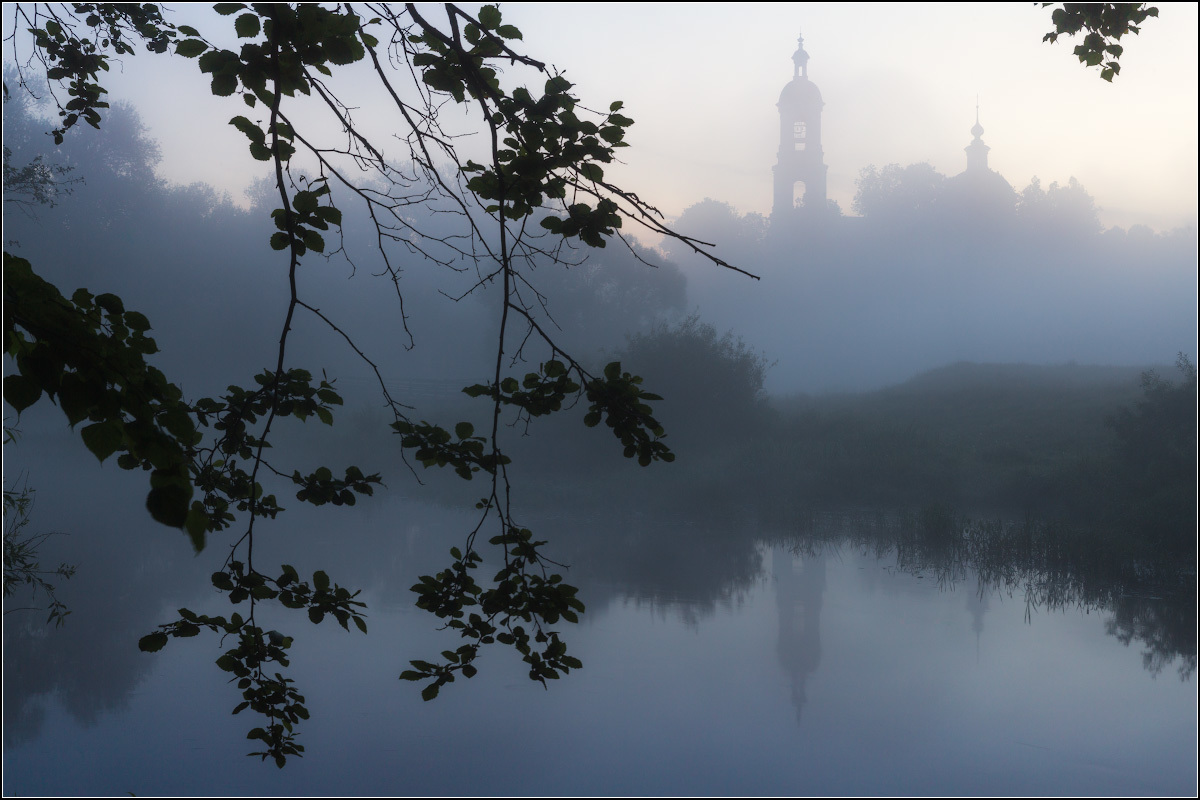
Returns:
(899,84)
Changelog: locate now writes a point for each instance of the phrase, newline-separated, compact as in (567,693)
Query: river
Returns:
(768,667)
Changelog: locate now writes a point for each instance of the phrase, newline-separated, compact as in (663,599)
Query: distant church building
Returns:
(979,190)
(800,193)
(800,170)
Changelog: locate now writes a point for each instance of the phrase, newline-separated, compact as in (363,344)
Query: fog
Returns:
(845,302)
(854,303)
(935,487)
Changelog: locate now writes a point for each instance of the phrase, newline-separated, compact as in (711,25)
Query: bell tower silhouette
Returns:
(801,159)
(977,151)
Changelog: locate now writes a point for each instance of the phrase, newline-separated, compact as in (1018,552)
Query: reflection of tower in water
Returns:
(799,585)
(977,605)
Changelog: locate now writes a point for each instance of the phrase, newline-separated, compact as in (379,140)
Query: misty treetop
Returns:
(920,195)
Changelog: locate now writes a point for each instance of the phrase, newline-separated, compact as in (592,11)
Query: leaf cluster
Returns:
(616,397)
(542,149)
(320,487)
(305,218)
(447,65)
(1104,24)
(293,39)
(521,593)
(540,393)
(548,153)
(619,400)
(78,59)
(88,354)
(270,694)
(434,446)
(220,470)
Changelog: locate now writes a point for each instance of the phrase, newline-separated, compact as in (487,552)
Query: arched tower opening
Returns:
(799,188)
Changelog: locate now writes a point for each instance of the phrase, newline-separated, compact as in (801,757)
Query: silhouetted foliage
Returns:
(896,191)
(1105,24)
(716,380)
(88,354)
(722,224)
(1153,490)
(30,178)
(22,566)
(1061,211)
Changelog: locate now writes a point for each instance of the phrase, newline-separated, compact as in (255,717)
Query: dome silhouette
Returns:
(800,90)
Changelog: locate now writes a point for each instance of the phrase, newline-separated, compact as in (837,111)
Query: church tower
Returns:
(977,151)
(978,192)
(801,161)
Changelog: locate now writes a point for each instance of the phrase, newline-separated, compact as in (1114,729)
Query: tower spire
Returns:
(800,58)
(977,151)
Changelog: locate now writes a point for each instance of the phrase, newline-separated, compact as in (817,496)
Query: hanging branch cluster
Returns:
(547,159)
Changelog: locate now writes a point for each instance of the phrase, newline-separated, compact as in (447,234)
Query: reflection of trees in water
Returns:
(91,665)
(128,569)
(1055,565)
(692,567)
(1160,627)
(1058,566)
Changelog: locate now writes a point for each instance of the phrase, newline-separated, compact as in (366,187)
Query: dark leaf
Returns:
(21,392)
(489,18)
(190,48)
(103,438)
(247,26)
(169,504)
(152,643)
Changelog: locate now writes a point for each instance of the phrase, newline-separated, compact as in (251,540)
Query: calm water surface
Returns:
(831,672)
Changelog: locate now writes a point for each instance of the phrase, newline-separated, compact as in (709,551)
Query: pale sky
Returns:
(899,83)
